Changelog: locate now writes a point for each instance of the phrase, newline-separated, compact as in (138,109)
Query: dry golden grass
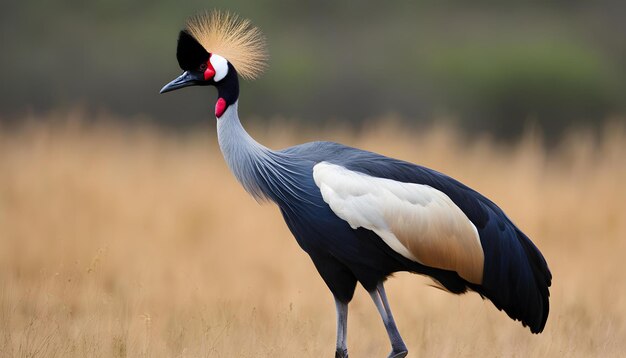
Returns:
(118,242)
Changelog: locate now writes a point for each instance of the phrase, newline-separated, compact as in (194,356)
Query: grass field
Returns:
(135,242)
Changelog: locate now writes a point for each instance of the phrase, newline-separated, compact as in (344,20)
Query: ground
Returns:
(136,242)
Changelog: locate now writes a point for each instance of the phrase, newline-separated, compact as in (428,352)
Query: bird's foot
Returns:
(398,353)
(341,353)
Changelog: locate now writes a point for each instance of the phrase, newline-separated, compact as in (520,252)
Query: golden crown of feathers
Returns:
(233,38)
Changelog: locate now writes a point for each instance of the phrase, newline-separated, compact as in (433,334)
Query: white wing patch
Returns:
(415,220)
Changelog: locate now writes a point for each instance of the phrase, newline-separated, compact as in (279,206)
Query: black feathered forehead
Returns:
(189,53)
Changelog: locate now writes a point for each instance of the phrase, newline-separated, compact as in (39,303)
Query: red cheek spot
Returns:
(220,107)
(209,72)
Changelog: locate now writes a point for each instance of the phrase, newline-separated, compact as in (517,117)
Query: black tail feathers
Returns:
(517,281)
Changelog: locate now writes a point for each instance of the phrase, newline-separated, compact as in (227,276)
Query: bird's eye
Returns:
(202,67)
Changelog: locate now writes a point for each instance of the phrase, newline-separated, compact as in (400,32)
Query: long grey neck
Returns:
(264,173)
(240,150)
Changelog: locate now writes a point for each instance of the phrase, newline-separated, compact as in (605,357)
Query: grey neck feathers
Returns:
(264,173)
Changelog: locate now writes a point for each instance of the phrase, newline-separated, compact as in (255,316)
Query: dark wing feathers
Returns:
(516,276)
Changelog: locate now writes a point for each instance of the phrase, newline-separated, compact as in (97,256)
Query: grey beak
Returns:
(184,80)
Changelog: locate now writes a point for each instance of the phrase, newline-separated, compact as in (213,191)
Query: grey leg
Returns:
(342,329)
(398,348)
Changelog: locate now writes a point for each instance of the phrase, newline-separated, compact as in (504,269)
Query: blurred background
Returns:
(123,233)
(490,66)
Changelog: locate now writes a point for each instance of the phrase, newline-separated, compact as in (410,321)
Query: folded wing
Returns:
(417,221)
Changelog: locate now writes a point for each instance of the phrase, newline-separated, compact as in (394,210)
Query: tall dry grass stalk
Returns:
(118,242)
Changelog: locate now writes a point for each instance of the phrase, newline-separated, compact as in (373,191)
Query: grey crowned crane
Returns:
(359,215)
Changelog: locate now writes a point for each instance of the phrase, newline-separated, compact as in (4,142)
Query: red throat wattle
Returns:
(220,107)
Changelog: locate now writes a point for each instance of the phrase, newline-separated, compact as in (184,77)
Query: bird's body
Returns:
(362,216)
(344,255)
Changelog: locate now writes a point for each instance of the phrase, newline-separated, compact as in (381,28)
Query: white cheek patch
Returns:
(220,65)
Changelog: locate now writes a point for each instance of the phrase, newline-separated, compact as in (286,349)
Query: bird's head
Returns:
(213,49)
(200,67)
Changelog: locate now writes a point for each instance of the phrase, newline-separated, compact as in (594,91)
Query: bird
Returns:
(359,215)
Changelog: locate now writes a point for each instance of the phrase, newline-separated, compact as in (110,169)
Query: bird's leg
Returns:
(398,348)
(342,329)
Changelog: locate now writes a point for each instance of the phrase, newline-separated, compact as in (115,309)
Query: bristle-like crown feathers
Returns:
(224,34)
